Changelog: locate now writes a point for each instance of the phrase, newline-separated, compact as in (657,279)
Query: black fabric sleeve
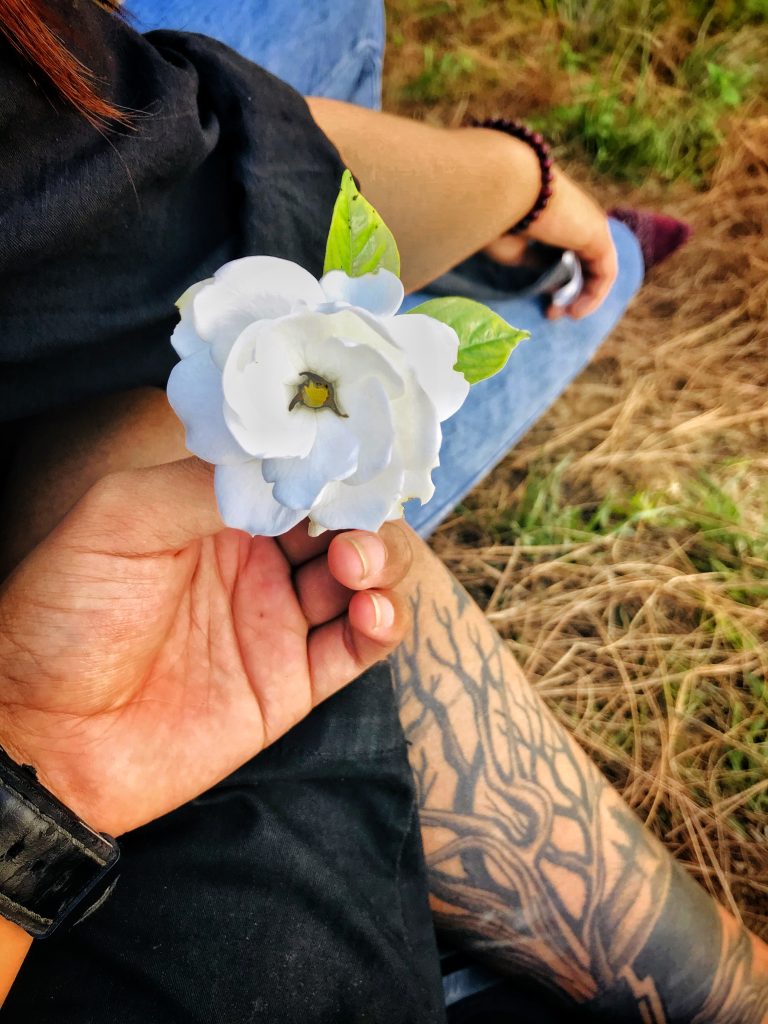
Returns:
(102,230)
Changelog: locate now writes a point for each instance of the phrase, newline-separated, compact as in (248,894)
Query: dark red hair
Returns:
(37,30)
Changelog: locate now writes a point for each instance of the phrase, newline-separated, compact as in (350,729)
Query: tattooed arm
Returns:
(536,864)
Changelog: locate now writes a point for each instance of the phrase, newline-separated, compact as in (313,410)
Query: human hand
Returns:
(571,220)
(146,652)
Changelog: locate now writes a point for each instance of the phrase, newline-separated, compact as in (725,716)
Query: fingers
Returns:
(356,560)
(146,511)
(360,560)
(340,650)
(298,547)
(601,268)
(601,274)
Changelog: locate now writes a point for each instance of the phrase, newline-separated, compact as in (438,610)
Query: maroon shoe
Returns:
(659,235)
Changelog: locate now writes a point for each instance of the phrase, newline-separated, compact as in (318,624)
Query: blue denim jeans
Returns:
(332,48)
(335,48)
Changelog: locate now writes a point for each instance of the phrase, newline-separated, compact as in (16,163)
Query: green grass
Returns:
(630,125)
(706,530)
(652,84)
(707,512)
(440,75)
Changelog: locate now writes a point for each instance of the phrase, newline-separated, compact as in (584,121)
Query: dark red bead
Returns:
(537,142)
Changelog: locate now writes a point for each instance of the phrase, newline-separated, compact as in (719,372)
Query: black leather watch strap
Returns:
(50,860)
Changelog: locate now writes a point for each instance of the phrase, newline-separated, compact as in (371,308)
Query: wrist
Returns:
(24,752)
(515,170)
(536,143)
(14,946)
(51,861)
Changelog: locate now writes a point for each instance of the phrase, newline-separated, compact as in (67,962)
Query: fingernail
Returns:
(371,552)
(383,610)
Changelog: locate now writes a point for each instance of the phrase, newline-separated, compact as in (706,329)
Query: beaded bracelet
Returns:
(543,153)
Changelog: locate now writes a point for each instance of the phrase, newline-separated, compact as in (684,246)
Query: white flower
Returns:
(312,398)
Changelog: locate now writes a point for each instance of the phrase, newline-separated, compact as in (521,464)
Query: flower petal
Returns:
(247,290)
(344,355)
(183,303)
(381,292)
(334,456)
(342,506)
(417,428)
(432,349)
(259,381)
(417,483)
(194,391)
(246,502)
(185,338)
(370,418)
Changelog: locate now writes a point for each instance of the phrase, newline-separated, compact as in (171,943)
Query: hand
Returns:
(145,652)
(571,220)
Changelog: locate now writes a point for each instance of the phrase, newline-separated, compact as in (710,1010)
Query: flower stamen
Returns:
(315,392)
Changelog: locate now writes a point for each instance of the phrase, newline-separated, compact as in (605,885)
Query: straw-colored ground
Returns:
(622,549)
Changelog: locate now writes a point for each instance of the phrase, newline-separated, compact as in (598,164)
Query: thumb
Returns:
(145,511)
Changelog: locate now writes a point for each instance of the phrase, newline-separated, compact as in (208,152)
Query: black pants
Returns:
(294,891)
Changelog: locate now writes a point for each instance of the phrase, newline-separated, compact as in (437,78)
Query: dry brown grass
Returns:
(654,664)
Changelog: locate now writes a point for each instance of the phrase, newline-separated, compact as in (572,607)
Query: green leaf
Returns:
(485,340)
(359,242)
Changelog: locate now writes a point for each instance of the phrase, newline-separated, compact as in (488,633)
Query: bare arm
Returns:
(448,192)
(14,946)
(536,864)
(444,193)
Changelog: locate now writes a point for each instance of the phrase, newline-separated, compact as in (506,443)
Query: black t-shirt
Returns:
(102,230)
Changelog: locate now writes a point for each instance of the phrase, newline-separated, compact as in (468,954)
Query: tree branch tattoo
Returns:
(536,864)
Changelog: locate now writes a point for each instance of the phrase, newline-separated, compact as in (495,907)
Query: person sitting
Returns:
(273,894)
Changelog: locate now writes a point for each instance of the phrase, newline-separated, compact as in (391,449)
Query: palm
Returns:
(136,679)
(191,661)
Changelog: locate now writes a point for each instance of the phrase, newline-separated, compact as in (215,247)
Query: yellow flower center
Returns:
(315,392)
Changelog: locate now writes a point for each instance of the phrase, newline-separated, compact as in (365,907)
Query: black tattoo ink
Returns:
(535,863)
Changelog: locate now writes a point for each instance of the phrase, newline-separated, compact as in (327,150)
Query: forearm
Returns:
(445,193)
(535,862)
(14,946)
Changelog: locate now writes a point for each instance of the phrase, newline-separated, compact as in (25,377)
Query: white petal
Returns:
(432,349)
(342,506)
(247,290)
(259,381)
(185,338)
(194,391)
(417,483)
(417,428)
(246,502)
(396,512)
(370,418)
(357,324)
(184,300)
(345,363)
(334,456)
(381,292)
